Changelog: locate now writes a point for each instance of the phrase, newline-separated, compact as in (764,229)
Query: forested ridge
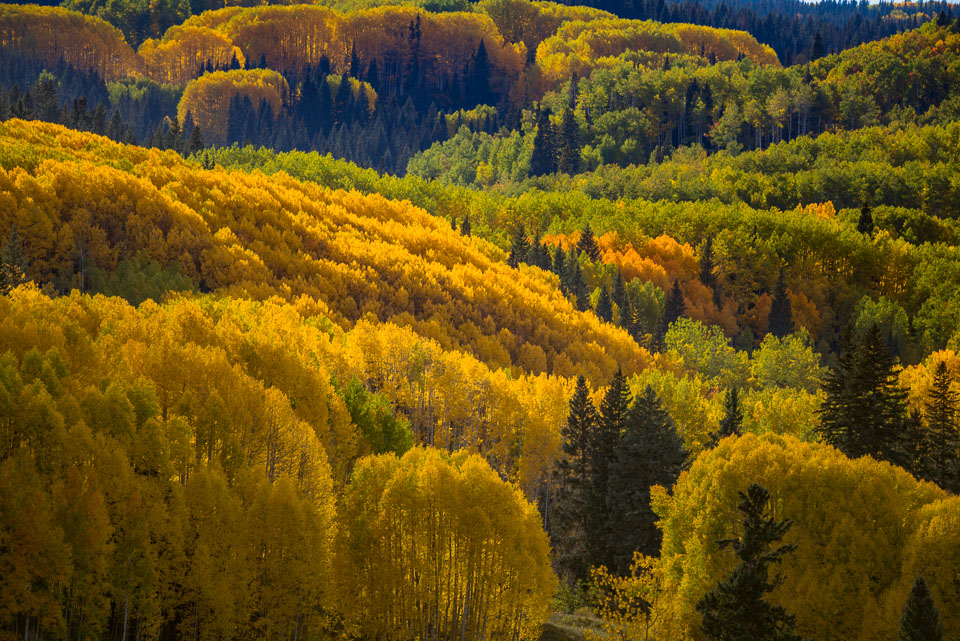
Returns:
(503,320)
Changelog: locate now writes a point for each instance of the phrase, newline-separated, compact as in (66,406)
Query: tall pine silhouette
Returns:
(941,463)
(572,479)
(920,620)
(650,452)
(603,447)
(780,320)
(736,608)
(865,409)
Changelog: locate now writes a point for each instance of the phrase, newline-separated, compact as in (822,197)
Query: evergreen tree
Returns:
(865,409)
(354,61)
(465,225)
(619,296)
(519,247)
(588,244)
(817,50)
(732,422)
(920,620)
(543,161)
(707,265)
(780,320)
(576,283)
(604,306)
(479,83)
(865,224)
(13,265)
(569,157)
(572,478)
(195,143)
(735,609)
(673,308)
(603,446)
(650,452)
(343,102)
(942,462)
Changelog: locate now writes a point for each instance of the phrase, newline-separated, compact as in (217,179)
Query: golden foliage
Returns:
(256,236)
(208,97)
(52,33)
(436,544)
(864,530)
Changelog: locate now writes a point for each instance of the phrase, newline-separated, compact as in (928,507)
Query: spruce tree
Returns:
(707,265)
(479,82)
(195,143)
(780,320)
(519,247)
(543,161)
(588,244)
(865,224)
(572,479)
(619,295)
(943,403)
(604,306)
(650,452)
(865,408)
(736,609)
(465,226)
(673,308)
(920,620)
(602,452)
(13,265)
(732,422)
(569,157)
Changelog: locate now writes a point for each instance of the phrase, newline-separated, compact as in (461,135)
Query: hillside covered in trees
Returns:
(506,320)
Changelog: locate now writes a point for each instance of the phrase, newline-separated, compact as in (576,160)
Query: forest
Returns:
(506,320)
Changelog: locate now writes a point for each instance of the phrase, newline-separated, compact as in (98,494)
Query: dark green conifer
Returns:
(865,224)
(519,247)
(780,319)
(465,226)
(732,422)
(920,620)
(604,306)
(543,161)
(865,408)
(572,479)
(650,452)
(942,446)
(603,445)
(588,244)
(736,608)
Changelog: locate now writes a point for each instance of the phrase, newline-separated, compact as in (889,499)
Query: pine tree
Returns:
(543,161)
(588,244)
(707,265)
(603,445)
(569,157)
(865,409)
(673,308)
(650,452)
(13,265)
(943,441)
(735,609)
(817,50)
(732,422)
(604,306)
(572,478)
(865,224)
(479,83)
(195,143)
(465,225)
(519,247)
(354,61)
(920,620)
(619,295)
(780,320)
(576,283)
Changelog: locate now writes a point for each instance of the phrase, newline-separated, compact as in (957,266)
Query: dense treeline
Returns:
(639,106)
(173,470)
(261,237)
